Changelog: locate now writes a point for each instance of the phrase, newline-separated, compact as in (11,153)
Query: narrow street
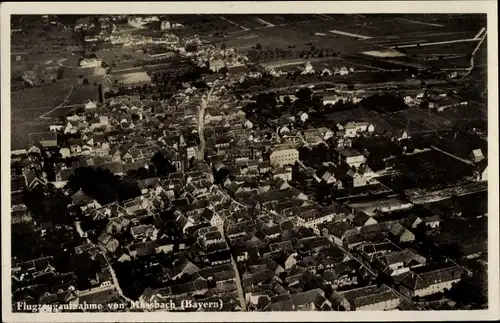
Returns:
(239,286)
(453,156)
(201,123)
(361,261)
(116,283)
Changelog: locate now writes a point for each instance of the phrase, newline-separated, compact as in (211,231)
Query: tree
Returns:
(60,73)
(127,189)
(258,46)
(287,102)
(162,165)
(221,175)
(304,94)
(471,290)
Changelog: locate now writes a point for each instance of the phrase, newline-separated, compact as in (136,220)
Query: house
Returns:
(56,128)
(350,157)
(183,267)
(108,243)
(399,262)
(343,274)
(264,167)
(354,179)
(302,116)
(432,221)
(216,65)
(368,298)
(372,251)
(212,217)
(65,152)
(331,99)
(430,279)
(84,201)
(90,106)
(292,97)
(45,139)
(352,129)
(117,224)
(62,177)
(142,249)
(338,231)
(311,218)
(142,232)
(280,157)
(481,170)
(278,183)
(366,172)
(325,133)
(248,124)
(283,130)
(312,300)
(476,156)
(361,219)
(284,174)
(210,238)
(328,177)
(401,134)
(401,234)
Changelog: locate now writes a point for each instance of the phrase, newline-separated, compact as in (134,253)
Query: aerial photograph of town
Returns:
(248,162)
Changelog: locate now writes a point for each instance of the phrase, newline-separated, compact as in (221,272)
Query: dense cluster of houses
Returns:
(237,228)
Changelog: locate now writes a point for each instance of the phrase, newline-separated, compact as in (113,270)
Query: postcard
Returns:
(249,161)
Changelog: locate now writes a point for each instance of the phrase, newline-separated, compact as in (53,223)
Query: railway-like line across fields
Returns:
(43,116)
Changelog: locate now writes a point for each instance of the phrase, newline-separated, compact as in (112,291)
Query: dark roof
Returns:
(360,218)
(424,276)
(80,198)
(338,229)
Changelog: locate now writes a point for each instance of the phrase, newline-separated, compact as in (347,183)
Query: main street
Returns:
(201,122)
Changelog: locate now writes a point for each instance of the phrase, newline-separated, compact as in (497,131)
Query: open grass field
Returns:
(81,94)
(20,132)
(427,169)
(28,105)
(47,95)
(419,120)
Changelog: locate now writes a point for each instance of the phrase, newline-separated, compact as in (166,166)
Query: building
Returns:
(45,139)
(481,171)
(368,298)
(216,65)
(302,116)
(284,174)
(352,129)
(476,156)
(283,156)
(350,156)
(90,62)
(430,279)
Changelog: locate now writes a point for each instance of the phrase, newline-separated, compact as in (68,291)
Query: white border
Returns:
(481,6)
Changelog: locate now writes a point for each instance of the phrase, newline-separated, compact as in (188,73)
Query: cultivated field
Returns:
(443,42)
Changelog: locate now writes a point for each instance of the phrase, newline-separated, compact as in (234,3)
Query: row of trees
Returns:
(103,185)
